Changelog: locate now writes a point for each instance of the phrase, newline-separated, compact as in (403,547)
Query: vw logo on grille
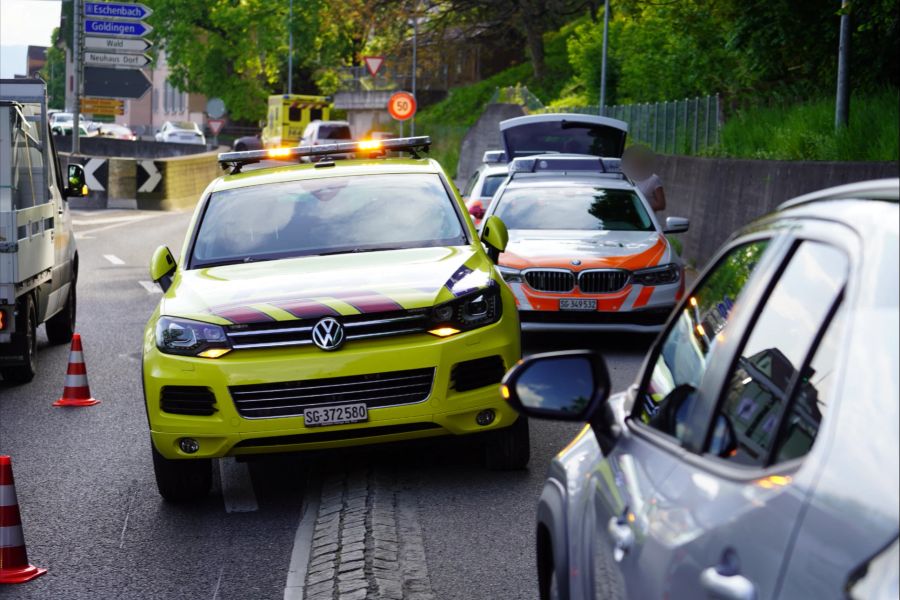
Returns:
(328,334)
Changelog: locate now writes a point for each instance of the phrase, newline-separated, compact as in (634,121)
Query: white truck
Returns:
(38,258)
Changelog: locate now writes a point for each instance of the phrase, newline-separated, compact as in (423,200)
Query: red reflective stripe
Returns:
(6,477)
(242,314)
(643,297)
(369,302)
(306,309)
(80,392)
(76,343)
(76,369)
(9,516)
(11,558)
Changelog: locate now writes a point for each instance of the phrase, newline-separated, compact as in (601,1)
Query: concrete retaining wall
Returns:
(163,184)
(720,195)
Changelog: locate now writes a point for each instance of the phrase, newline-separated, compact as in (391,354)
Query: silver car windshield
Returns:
(329,215)
(573,207)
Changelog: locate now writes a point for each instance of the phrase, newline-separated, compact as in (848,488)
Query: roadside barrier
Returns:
(14,565)
(76,392)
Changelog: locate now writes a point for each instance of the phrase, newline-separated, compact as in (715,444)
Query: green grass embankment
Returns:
(806,131)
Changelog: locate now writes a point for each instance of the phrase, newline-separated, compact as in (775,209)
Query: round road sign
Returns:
(215,108)
(402,105)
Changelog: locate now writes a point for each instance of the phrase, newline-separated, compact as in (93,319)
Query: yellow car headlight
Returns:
(191,338)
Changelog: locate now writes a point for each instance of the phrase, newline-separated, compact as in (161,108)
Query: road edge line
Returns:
(296,579)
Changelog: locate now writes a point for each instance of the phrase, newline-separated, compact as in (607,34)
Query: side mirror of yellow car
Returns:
(495,236)
(162,267)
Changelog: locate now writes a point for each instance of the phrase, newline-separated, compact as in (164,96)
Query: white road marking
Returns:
(127,515)
(296,579)
(218,584)
(237,488)
(151,287)
(114,259)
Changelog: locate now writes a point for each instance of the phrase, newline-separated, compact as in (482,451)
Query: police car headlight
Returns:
(663,275)
(469,312)
(510,275)
(191,338)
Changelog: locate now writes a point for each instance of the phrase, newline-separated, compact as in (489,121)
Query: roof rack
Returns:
(568,163)
(371,148)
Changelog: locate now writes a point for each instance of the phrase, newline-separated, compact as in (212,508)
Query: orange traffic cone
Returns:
(14,567)
(77,391)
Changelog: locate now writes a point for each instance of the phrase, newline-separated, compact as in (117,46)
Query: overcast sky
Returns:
(24,23)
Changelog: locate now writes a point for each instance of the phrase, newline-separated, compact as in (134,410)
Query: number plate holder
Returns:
(340,414)
(583,304)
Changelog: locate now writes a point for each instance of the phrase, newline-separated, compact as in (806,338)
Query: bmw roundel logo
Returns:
(328,334)
(576,262)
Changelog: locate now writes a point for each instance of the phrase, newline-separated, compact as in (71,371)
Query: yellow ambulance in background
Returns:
(288,116)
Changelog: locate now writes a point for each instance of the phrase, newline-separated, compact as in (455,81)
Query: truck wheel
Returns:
(508,449)
(182,480)
(61,326)
(26,321)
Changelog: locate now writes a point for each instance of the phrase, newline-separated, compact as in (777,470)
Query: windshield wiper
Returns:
(356,251)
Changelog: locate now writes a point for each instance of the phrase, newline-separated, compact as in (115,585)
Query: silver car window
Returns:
(692,341)
(772,363)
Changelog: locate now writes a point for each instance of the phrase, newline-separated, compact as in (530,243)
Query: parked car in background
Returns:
(757,455)
(484,182)
(248,142)
(326,132)
(60,118)
(116,131)
(180,132)
(66,129)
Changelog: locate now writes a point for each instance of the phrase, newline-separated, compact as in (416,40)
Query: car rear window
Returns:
(573,207)
(334,132)
(330,215)
(185,125)
(491,183)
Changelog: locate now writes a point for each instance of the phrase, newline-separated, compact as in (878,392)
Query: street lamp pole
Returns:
(603,59)
(412,122)
(290,47)
(842,104)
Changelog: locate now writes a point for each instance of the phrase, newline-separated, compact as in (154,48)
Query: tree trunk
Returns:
(534,35)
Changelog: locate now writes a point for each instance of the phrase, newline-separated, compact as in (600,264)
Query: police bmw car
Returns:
(323,305)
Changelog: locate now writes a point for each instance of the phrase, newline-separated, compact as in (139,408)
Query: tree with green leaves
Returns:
(54,73)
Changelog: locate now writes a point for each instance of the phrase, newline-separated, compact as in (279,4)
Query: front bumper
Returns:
(227,433)
(635,308)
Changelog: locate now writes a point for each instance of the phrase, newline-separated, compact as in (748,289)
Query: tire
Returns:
(61,326)
(554,586)
(26,320)
(182,480)
(508,449)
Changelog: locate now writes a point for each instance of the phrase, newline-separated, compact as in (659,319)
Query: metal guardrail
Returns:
(672,127)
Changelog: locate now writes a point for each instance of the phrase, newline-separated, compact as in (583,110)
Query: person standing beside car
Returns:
(637,162)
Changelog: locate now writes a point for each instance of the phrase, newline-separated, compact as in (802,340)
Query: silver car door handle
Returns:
(727,587)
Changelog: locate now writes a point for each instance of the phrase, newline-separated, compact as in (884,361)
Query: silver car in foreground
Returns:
(758,453)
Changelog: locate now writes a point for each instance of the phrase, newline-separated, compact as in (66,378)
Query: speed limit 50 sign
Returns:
(402,105)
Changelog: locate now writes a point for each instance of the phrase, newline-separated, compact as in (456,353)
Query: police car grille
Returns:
(290,398)
(603,282)
(550,281)
(299,333)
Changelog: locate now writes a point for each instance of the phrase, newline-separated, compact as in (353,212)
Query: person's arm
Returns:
(659,199)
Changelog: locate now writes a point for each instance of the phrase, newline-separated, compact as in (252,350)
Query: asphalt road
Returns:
(89,504)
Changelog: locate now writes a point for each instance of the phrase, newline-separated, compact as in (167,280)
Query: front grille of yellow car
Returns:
(299,333)
(603,281)
(549,280)
(187,400)
(290,398)
(474,374)
(333,436)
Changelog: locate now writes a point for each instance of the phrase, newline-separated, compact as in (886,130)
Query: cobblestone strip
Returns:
(367,543)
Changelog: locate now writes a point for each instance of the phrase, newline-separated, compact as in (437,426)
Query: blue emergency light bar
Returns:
(368,148)
(567,163)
